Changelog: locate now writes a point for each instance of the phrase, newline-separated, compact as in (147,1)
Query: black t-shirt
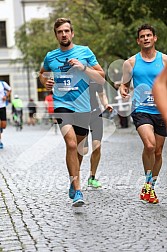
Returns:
(32,107)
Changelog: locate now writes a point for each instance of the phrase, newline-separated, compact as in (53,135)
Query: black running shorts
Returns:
(3,114)
(79,121)
(155,120)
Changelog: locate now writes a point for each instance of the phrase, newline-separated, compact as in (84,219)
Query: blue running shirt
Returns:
(71,88)
(144,74)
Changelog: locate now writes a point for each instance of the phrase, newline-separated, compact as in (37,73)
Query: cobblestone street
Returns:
(36,213)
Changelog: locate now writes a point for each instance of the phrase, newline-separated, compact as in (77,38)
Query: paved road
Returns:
(36,213)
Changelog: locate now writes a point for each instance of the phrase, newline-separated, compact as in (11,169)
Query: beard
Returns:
(65,44)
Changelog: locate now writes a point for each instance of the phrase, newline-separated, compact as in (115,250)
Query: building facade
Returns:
(13,14)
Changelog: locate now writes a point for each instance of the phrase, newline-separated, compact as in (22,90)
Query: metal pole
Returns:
(27,65)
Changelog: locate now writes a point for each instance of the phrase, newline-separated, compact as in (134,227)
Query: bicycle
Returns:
(17,117)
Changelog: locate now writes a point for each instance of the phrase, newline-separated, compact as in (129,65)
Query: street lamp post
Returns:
(27,65)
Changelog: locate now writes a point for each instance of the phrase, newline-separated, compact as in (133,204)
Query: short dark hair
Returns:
(60,21)
(145,27)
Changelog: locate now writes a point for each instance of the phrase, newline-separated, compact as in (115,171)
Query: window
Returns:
(3,34)
(5,78)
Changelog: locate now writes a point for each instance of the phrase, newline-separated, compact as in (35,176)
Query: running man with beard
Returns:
(72,66)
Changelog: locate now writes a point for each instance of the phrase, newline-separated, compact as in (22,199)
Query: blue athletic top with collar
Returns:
(71,89)
(144,74)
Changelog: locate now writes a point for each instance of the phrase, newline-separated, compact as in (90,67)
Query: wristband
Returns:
(84,69)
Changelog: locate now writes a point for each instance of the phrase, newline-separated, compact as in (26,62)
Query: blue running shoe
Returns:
(78,199)
(1,145)
(71,191)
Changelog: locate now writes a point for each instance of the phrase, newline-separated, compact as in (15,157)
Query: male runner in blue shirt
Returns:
(143,69)
(73,66)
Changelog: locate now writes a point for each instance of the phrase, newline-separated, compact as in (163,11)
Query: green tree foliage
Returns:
(158,9)
(131,14)
(34,39)
(108,27)
(122,11)
(130,10)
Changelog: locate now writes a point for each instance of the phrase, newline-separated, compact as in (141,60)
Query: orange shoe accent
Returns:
(153,197)
(145,192)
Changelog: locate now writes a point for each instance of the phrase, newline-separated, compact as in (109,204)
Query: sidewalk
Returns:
(36,213)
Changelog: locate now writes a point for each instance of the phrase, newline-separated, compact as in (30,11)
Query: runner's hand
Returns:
(49,84)
(108,107)
(124,91)
(4,98)
(76,64)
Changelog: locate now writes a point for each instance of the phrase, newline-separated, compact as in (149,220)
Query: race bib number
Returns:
(149,101)
(65,83)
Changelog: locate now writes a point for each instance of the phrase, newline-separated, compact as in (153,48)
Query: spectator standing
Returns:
(32,109)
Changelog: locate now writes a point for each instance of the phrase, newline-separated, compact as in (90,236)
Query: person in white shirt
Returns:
(5,91)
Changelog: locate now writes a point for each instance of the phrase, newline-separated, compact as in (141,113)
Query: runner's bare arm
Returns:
(164,58)
(95,73)
(160,93)
(104,101)
(126,78)
(8,93)
(45,79)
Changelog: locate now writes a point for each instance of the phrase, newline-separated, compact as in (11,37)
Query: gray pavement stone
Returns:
(36,213)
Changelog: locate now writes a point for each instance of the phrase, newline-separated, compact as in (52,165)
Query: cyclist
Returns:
(17,111)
